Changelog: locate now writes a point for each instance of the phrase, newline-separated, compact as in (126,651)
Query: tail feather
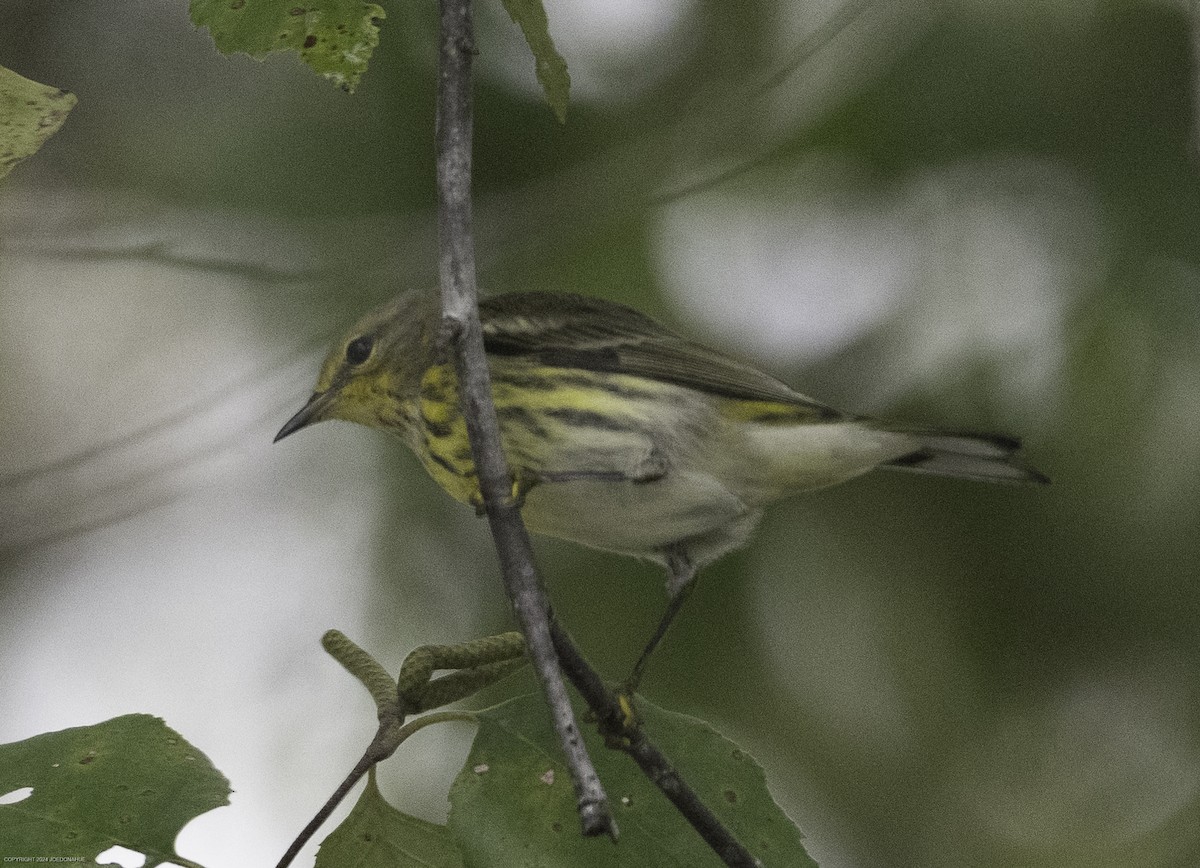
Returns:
(984,457)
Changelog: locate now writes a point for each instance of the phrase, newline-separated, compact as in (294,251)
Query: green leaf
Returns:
(131,781)
(30,113)
(513,803)
(376,835)
(334,37)
(530,16)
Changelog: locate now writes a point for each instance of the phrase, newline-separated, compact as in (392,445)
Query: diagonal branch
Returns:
(631,738)
(460,315)
(545,639)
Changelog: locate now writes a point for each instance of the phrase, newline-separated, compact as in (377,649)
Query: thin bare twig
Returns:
(382,746)
(546,641)
(460,297)
(631,739)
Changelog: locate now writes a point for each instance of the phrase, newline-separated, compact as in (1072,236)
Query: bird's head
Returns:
(375,368)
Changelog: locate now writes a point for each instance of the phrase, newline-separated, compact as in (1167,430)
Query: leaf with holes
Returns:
(30,113)
(551,69)
(376,835)
(131,781)
(513,803)
(334,37)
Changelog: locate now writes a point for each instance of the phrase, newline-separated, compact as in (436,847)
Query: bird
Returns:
(619,433)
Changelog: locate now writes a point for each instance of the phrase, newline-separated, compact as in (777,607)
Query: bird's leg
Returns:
(650,469)
(523,480)
(681,575)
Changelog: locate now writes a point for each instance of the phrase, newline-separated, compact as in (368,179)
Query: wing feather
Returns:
(572,331)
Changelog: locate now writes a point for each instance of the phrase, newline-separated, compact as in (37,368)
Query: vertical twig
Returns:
(460,315)
(461,318)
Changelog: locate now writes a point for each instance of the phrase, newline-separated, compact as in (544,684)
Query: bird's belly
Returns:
(638,518)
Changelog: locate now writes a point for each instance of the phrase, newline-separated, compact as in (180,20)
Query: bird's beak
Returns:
(313,411)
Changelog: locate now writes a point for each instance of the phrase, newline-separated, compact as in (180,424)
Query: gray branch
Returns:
(460,318)
(460,314)
(629,737)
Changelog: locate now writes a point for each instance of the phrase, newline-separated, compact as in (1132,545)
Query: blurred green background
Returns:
(964,214)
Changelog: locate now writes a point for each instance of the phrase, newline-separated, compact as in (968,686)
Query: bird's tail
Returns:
(984,457)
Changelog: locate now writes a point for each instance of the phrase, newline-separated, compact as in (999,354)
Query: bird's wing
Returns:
(571,331)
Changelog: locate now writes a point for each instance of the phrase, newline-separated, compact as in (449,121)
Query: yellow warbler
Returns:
(619,433)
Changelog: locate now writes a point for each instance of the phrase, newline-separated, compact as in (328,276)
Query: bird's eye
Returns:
(359,349)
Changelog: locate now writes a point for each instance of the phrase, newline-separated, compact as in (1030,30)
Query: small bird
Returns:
(619,433)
